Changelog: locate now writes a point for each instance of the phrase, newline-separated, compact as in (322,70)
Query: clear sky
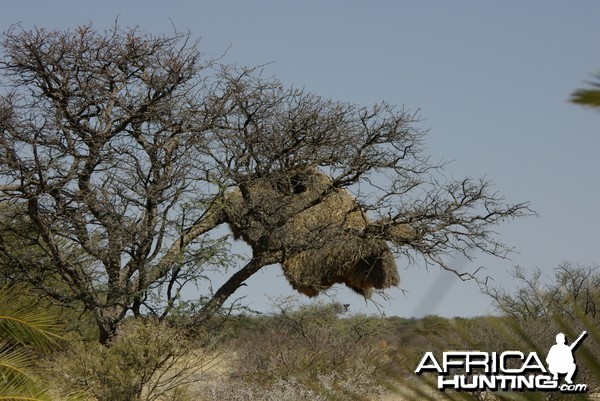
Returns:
(491,79)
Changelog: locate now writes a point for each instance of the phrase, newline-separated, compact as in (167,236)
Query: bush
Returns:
(573,291)
(310,352)
(147,360)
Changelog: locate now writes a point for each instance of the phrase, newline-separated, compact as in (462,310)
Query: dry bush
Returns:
(309,352)
(282,390)
(147,360)
(542,306)
(411,338)
(537,335)
(573,291)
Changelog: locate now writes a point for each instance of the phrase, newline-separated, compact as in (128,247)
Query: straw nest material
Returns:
(316,227)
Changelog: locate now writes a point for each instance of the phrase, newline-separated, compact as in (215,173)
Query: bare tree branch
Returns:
(120,152)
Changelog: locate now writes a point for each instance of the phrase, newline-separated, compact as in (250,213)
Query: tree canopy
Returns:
(120,151)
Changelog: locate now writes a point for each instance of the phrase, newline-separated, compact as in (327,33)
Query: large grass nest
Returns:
(320,231)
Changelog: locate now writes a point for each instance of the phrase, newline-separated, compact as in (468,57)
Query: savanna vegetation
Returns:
(127,163)
(318,351)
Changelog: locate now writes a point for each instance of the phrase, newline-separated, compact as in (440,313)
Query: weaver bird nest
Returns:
(320,231)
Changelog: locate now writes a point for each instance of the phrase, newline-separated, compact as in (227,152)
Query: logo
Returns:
(506,371)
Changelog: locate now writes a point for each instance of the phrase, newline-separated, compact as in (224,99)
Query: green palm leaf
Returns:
(23,328)
(17,381)
(587,97)
(26,324)
(14,364)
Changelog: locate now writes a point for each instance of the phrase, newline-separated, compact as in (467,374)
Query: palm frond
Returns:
(23,329)
(587,97)
(14,365)
(26,325)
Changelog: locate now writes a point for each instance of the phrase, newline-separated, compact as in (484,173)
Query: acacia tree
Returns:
(572,292)
(120,148)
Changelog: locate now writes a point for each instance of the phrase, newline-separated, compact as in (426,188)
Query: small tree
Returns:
(573,291)
(121,149)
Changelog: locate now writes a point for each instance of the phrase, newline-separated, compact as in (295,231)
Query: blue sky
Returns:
(491,80)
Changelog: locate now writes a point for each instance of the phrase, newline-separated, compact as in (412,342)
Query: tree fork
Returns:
(230,286)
